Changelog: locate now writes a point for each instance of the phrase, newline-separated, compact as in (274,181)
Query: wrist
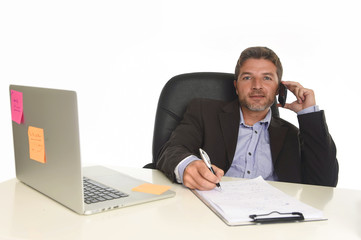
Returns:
(311,109)
(179,170)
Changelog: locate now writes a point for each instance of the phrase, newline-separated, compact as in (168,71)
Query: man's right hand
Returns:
(198,176)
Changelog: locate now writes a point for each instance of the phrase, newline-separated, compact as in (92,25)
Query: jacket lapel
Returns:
(229,121)
(277,134)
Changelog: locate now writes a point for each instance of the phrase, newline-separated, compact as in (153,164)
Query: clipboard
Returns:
(280,218)
(263,204)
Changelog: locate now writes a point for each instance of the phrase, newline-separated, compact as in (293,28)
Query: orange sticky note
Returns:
(151,188)
(17,114)
(36,144)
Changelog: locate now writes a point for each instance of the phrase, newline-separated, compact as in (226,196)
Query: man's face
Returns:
(257,84)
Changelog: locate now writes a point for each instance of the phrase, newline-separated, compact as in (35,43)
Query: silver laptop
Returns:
(47,155)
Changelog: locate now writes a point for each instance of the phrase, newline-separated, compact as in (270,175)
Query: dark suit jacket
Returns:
(304,155)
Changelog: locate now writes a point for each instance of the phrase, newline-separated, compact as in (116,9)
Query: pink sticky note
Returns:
(17,114)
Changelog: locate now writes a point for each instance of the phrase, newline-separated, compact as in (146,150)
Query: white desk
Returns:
(27,214)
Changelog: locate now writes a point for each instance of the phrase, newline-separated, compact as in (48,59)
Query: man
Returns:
(242,138)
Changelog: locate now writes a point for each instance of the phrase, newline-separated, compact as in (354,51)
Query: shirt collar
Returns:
(266,120)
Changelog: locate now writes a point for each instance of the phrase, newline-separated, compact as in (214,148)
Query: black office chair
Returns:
(176,95)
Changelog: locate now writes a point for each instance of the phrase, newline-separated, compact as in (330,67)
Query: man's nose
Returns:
(257,83)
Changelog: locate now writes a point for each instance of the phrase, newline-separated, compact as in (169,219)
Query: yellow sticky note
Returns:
(151,188)
(36,144)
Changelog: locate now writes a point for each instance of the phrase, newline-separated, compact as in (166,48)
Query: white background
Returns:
(118,55)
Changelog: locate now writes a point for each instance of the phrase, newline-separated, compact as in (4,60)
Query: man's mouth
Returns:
(257,96)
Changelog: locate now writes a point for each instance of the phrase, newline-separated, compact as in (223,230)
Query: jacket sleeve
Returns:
(184,141)
(318,150)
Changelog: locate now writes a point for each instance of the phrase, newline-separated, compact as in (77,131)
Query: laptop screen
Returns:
(46,142)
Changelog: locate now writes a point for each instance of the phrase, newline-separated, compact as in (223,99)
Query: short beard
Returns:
(256,107)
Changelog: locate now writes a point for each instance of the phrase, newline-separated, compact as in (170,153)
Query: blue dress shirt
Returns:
(253,153)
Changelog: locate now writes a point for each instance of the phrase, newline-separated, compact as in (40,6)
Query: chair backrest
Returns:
(176,95)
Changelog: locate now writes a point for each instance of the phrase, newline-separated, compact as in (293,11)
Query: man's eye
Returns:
(267,78)
(246,78)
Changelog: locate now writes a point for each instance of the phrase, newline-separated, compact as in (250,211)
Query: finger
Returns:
(189,181)
(207,175)
(198,176)
(295,88)
(288,106)
(301,94)
(219,172)
(197,182)
(308,98)
(292,85)
(211,177)
(298,93)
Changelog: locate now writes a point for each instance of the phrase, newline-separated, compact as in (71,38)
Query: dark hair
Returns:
(259,53)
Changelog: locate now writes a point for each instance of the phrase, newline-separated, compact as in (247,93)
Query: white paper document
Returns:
(239,199)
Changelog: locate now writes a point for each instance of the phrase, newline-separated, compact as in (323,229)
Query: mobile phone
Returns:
(282,94)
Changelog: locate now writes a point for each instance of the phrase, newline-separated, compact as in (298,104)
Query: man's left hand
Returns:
(305,97)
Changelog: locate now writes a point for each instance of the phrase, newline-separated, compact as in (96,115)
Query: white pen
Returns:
(207,161)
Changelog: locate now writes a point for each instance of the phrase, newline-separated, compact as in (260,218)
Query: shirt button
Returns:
(250,154)
(248,172)
(256,132)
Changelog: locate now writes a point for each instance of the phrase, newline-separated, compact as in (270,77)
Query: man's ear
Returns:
(235,86)
(278,87)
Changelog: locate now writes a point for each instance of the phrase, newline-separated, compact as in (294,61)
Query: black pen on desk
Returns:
(207,161)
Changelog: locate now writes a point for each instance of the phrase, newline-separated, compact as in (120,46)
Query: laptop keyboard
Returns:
(96,192)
